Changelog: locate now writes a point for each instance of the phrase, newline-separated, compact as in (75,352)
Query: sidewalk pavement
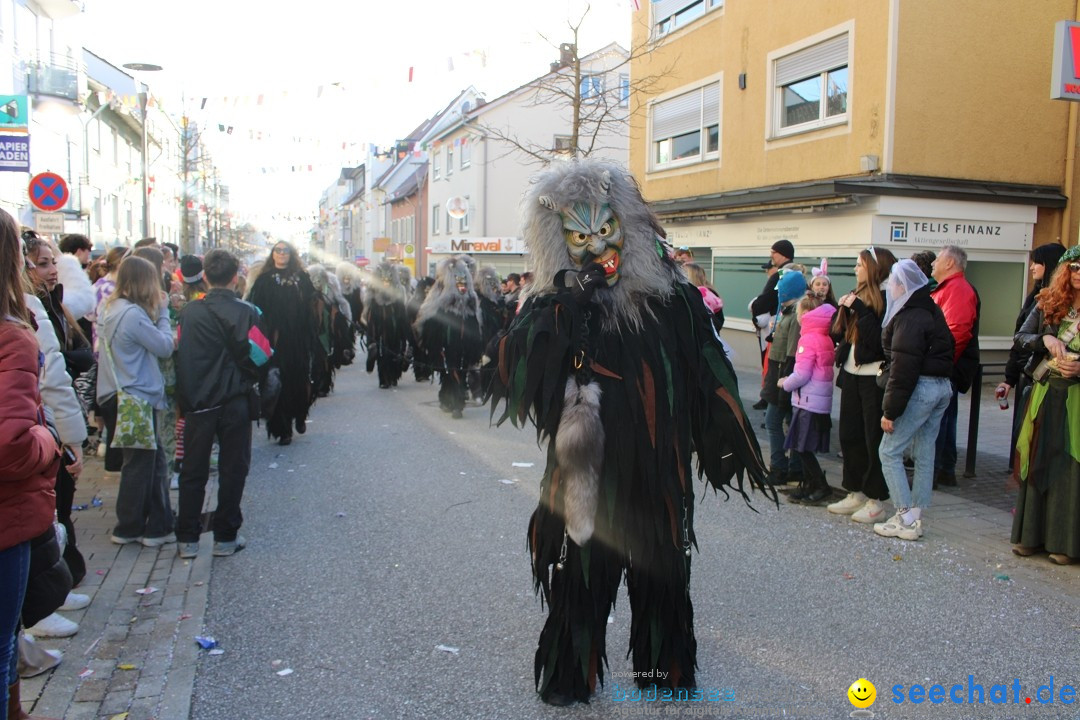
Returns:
(142,652)
(977,514)
(134,656)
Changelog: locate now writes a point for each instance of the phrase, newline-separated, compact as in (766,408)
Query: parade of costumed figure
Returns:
(336,334)
(285,295)
(387,326)
(352,288)
(492,320)
(421,362)
(448,330)
(612,357)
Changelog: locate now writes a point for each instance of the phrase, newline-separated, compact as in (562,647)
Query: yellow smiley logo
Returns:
(862,693)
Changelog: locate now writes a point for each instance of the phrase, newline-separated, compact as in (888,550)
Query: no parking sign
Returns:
(48,191)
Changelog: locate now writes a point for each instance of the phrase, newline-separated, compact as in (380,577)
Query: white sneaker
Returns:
(55,626)
(872,511)
(896,528)
(158,541)
(848,505)
(33,659)
(75,601)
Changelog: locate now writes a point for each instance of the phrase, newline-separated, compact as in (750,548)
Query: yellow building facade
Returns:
(837,124)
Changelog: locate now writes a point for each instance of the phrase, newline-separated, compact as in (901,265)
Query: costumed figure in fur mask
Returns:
(352,288)
(613,358)
(284,293)
(336,335)
(387,326)
(448,328)
(492,320)
(422,367)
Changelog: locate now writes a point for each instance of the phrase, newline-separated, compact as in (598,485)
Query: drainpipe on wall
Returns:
(484,231)
(1070,166)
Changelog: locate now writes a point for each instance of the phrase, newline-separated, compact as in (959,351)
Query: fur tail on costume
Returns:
(579,451)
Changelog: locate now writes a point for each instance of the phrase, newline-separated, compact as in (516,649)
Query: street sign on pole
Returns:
(14,153)
(14,114)
(49,223)
(48,191)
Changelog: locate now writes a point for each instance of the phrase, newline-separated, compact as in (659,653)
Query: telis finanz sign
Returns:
(1065,75)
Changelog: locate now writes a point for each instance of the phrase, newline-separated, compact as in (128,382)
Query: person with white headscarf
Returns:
(919,354)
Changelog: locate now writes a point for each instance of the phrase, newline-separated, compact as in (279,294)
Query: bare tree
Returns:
(597,102)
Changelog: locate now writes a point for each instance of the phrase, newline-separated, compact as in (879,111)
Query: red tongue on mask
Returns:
(609,260)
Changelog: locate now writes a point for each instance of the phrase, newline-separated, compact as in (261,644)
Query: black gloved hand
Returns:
(585,283)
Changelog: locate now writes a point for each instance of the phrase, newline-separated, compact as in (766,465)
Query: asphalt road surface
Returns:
(387,568)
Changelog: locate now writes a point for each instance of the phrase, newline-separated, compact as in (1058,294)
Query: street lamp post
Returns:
(144,99)
(104,104)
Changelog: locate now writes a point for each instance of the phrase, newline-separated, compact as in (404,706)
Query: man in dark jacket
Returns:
(220,348)
(780,254)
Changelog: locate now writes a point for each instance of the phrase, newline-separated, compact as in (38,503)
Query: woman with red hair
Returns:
(1048,507)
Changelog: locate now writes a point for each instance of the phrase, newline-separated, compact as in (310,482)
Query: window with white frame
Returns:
(671,15)
(435,211)
(592,88)
(563,144)
(449,160)
(436,166)
(463,223)
(686,128)
(811,87)
(624,90)
(466,153)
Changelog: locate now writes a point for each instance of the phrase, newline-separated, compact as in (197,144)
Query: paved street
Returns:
(387,570)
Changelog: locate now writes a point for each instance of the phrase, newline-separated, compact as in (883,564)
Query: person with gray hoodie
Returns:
(134,332)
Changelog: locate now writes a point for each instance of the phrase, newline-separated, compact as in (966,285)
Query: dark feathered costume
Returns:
(448,329)
(387,326)
(288,303)
(623,385)
(422,363)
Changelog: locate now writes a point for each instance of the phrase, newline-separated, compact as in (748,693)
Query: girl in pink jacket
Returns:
(811,388)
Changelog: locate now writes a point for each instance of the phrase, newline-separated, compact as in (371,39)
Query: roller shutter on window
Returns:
(677,116)
(687,113)
(663,9)
(710,105)
(816,59)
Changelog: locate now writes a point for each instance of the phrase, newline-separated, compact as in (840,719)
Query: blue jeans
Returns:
(14,569)
(945,450)
(917,427)
(774,426)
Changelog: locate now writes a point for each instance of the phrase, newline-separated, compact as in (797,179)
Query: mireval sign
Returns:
(1065,74)
(497,245)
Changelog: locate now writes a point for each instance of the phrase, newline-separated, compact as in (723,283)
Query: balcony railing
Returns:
(56,76)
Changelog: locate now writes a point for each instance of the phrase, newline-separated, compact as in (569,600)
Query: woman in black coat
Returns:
(919,354)
(284,293)
(1044,260)
(857,330)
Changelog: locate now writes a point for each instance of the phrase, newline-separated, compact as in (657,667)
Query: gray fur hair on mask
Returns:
(328,284)
(386,286)
(444,295)
(487,283)
(644,271)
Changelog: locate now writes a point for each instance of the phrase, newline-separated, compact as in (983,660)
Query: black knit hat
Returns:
(191,269)
(785,248)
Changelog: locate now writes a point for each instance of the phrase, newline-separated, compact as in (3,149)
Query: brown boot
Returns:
(14,708)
